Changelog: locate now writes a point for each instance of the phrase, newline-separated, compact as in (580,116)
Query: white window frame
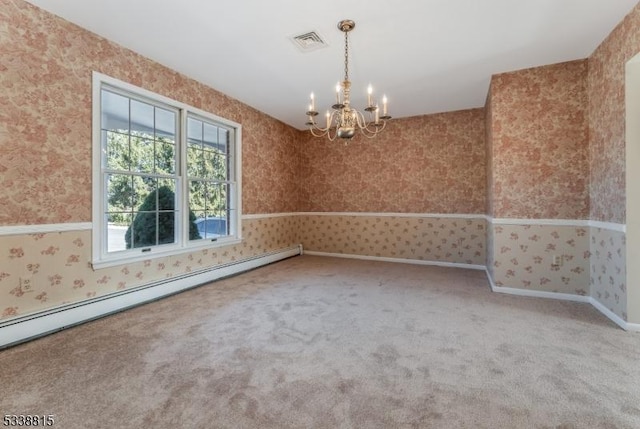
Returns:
(100,257)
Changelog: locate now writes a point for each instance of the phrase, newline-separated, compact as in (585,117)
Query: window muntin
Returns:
(159,159)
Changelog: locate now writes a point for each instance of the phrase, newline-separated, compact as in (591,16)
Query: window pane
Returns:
(194,130)
(144,229)
(115,112)
(221,167)
(194,161)
(119,193)
(117,150)
(144,196)
(118,231)
(223,138)
(217,200)
(142,121)
(210,136)
(166,227)
(208,170)
(197,196)
(165,158)
(142,155)
(165,125)
(196,225)
(167,194)
(211,227)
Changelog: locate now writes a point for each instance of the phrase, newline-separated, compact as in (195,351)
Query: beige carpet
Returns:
(315,342)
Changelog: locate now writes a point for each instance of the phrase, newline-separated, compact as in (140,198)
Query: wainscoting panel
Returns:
(523,257)
(608,270)
(454,239)
(41,271)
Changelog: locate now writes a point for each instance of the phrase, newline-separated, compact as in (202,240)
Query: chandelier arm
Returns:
(360,120)
(369,129)
(314,129)
(371,133)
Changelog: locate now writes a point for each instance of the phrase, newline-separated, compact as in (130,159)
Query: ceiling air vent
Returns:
(308,42)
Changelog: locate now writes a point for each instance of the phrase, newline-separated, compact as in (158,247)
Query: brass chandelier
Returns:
(344,121)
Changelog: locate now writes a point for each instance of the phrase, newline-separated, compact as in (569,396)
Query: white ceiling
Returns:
(427,56)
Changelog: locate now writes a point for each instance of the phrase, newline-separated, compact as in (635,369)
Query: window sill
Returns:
(130,258)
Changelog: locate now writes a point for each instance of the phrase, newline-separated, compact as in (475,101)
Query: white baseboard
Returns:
(397,260)
(535,293)
(634,327)
(42,323)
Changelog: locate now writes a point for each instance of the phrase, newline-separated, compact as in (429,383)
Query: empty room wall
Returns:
(45,164)
(417,191)
(539,178)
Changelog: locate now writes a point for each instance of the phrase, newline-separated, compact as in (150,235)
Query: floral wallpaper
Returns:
(488,130)
(523,258)
(427,239)
(42,271)
(425,164)
(539,143)
(608,270)
(45,122)
(606,83)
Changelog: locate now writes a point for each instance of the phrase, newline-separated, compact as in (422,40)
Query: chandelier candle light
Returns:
(343,121)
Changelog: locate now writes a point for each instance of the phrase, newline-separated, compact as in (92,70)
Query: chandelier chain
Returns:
(346,56)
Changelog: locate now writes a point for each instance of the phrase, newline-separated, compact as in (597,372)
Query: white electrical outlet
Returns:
(557,260)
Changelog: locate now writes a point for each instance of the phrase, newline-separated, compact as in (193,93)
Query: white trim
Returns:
(542,222)
(536,293)
(396,260)
(31,326)
(44,228)
(81,226)
(97,236)
(367,214)
(579,223)
(610,314)
(266,215)
(418,215)
(237,195)
(632,327)
(620,227)
(35,229)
